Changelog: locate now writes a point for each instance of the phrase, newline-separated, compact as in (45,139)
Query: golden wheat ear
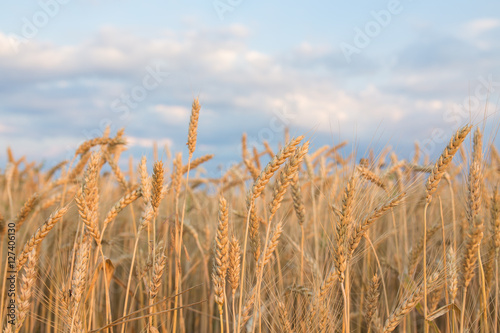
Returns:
(444,161)
(193,126)
(221,257)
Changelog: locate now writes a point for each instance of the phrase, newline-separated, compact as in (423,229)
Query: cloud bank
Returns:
(55,96)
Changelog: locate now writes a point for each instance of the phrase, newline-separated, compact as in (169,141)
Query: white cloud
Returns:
(5,130)
(480,26)
(71,87)
(147,142)
(173,114)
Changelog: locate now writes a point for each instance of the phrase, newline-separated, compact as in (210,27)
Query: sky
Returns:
(374,73)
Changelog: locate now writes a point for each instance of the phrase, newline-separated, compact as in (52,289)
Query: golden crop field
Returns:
(288,240)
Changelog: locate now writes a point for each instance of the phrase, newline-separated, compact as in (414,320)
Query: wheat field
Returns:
(288,240)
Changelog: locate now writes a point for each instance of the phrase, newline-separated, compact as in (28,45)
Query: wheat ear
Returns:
(474,235)
(87,145)
(283,316)
(27,283)
(126,200)
(361,229)
(285,178)
(87,216)
(54,169)
(221,254)
(193,126)
(197,162)
(156,279)
(116,170)
(78,283)
(343,228)
(272,166)
(145,181)
(444,161)
(408,304)
(254,226)
(452,274)
(157,185)
(39,235)
(244,147)
(234,264)
(475,225)
(418,249)
(372,300)
(264,259)
(298,204)
(371,177)
(25,210)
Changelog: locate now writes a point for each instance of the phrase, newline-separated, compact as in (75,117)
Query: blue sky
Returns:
(370,72)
